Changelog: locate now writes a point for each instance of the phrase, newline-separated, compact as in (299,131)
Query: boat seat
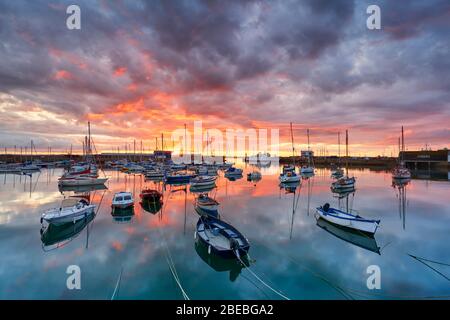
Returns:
(230,233)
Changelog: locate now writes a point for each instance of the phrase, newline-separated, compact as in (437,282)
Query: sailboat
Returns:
(344,183)
(86,174)
(401,172)
(289,175)
(337,171)
(309,169)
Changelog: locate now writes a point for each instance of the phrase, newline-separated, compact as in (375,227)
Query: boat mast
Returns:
(346,152)
(339,147)
(292,142)
(403,146)
(185,137)
(309,154)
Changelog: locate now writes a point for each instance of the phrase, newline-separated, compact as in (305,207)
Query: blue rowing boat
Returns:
(221,238)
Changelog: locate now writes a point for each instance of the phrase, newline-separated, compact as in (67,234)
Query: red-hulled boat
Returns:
(151,195)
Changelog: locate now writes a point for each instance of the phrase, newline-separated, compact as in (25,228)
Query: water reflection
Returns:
(354,237)
(400,187)
(122,215)
(273,217)
(57,236)
(219,264)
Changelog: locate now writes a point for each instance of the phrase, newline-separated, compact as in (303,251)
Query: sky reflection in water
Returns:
(288,251)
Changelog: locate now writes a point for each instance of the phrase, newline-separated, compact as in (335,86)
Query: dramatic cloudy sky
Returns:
(139,68)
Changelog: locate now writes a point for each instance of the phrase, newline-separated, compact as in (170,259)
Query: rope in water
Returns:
(170,262)
(434,269)
(116,289)
(339,289)
(262,281)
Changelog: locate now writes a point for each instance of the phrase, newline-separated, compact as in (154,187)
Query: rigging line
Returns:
(262,281)
(431,261)
(116,289)
(435,270)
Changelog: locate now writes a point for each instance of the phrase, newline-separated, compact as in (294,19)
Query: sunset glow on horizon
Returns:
(137,70)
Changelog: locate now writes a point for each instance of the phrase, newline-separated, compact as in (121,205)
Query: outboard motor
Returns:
(234,245)
(326,207)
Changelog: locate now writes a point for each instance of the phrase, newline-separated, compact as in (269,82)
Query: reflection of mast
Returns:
(292,142)
(402,203)
(346,153)
(309,195)
(294,208)
(185,215)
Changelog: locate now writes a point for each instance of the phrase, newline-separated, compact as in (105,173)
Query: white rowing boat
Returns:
(346,219)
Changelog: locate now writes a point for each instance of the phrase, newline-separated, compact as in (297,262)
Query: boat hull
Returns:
(224,252)
(81,182)
(76,216)
(349,221)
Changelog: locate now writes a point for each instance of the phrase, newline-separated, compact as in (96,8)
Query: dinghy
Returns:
(343,184)
(203,181)
(221,238)
(80,181)
(232,171)
(205,205)
(290,177)
(71,210)
(348,220)
(179,178)
(122,200)
(254,176)
(150,195)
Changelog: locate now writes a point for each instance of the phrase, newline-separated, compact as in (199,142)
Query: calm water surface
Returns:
(289,251)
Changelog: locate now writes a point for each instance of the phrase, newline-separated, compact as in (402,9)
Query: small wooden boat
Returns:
(71,210)
(254,176)
(307,170)
(202,189)
(150,195)
(232,171)
(203,181)
(221,238)
(290,177)
(288,168)
(348,220)
(205,205)
(179,178)
(80,181)
(154,174)
(343,183)
(123,200)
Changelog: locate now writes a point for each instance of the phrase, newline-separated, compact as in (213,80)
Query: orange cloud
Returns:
(120,71)
(63,74)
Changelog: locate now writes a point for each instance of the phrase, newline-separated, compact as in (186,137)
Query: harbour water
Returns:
(155,255)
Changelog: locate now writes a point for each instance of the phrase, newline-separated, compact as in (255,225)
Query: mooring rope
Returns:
(262,281)
(434,269)
(116,289)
